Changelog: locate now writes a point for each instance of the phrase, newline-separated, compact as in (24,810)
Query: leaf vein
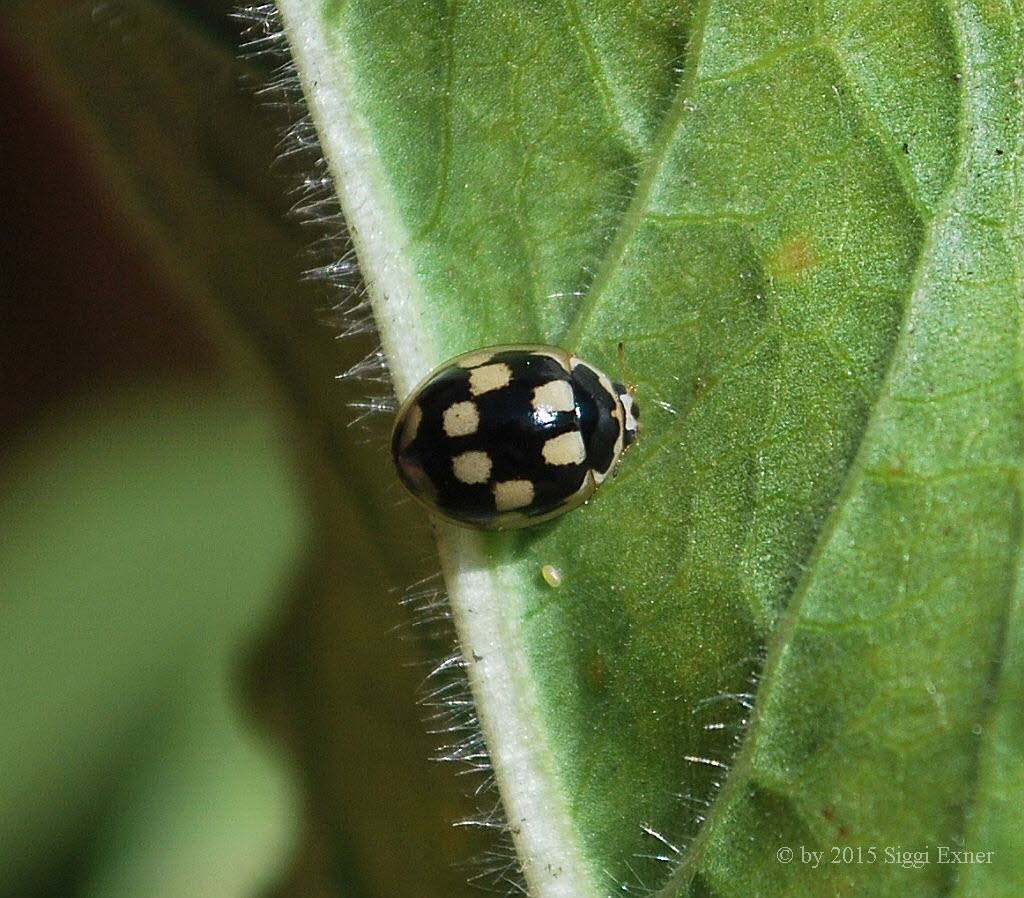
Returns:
(637,208)
(602,79)
(786,628)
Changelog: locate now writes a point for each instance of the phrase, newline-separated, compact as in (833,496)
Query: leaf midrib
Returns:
(638,208)
(636,211)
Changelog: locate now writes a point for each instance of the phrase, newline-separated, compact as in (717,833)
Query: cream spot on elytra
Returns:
(461,419)
(555,395)
(472,359)
(489,377)
(565,449)
(472,467)
(512,494)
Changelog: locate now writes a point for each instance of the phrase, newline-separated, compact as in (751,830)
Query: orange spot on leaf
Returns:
(794,258)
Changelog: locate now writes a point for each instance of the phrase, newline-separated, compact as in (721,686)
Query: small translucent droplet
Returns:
(552,575)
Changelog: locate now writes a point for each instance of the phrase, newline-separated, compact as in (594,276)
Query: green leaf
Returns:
(803,221)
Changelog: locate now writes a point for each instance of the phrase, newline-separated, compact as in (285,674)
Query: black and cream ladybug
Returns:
(511,435)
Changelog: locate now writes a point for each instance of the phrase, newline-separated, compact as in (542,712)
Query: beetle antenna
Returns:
(625,369)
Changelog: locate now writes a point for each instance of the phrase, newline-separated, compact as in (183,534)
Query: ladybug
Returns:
(510,436)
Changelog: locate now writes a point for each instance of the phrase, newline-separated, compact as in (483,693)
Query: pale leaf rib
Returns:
(378,233)
(637,210)
(483,607)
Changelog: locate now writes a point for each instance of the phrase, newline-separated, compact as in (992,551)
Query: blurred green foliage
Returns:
(147,536)
(239,601)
